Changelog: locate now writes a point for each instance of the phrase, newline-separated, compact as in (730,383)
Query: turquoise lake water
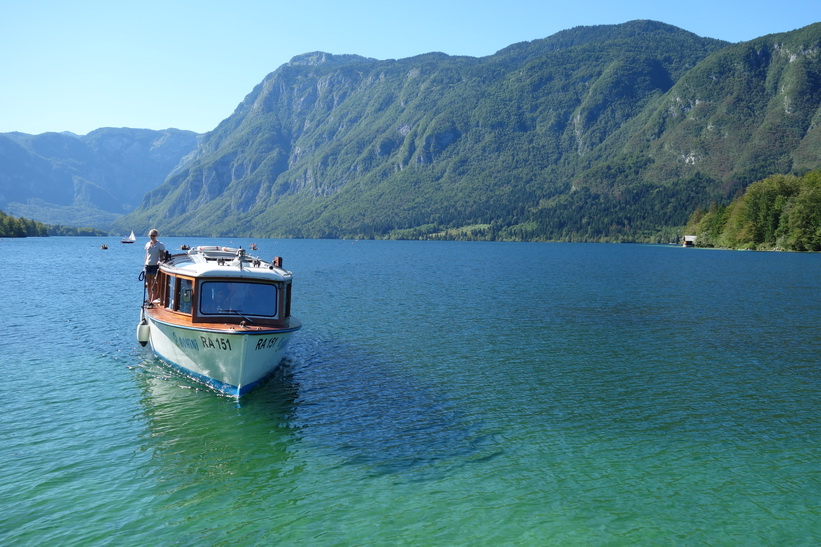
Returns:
(438,394)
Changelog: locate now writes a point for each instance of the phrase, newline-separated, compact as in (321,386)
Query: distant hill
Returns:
(62,178)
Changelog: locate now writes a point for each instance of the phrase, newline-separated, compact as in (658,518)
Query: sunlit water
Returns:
(438,394)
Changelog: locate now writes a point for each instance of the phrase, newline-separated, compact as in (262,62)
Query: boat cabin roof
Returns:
(213,261)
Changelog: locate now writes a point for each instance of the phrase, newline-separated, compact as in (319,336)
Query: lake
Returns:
(439,393)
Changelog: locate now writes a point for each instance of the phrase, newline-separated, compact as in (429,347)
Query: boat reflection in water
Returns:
(223,318)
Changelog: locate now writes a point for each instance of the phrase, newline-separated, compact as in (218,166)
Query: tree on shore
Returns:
(778,212)
(23,227)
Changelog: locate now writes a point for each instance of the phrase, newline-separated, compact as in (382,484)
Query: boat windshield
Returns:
(238,298)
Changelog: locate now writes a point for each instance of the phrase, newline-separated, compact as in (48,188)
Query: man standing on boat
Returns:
(154,250)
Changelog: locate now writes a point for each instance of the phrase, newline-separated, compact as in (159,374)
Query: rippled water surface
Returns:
(438,394)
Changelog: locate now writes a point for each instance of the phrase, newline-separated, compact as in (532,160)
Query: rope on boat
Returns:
(141,277)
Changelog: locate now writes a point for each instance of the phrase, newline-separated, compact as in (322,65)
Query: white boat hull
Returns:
(228,360)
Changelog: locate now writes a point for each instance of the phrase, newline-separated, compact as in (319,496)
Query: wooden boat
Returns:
(130,239)
(223,318)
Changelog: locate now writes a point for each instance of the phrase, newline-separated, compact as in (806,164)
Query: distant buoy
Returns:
(143,332)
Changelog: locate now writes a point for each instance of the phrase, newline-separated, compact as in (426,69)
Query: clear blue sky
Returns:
(84,64)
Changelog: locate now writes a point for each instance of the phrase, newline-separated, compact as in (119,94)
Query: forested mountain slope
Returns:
(612,132)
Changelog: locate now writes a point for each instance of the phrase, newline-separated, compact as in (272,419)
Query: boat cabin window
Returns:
(186,293)
(172,292)
(238,298)
(178,293)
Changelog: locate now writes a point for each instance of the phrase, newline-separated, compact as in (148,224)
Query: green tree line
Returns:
(778,212)
(23,227)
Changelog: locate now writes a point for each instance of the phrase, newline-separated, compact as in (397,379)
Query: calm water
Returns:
(439,394)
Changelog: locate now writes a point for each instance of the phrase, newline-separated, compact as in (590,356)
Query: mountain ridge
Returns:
(612,132)
(402,133)
(84,180)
